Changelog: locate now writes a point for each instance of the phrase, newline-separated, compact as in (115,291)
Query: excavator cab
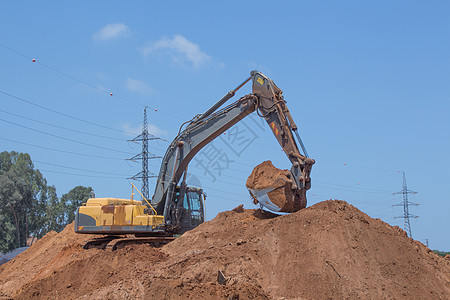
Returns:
(192,211)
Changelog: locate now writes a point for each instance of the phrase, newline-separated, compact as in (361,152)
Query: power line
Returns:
(334,161)
(357,166)
(61,113)
(355,187)
(110,158)
(87,84)
(65,74)
(248,201)
(61,127)
(343,187)
(62,151)
(364,202)
(64,138)
(214,189)
(349,190)
(15,51)
(82,175)
(82,81)
(78,169)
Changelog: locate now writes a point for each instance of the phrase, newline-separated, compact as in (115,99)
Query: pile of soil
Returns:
(57,266)
(329,250)
(50,253)
(267,176)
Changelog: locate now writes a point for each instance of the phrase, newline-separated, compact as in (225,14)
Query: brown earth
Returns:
(328,251)
(266,175)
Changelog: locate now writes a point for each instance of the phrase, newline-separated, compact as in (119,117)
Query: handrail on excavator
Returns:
(142,197)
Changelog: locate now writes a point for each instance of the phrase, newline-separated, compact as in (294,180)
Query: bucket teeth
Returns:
(262,197)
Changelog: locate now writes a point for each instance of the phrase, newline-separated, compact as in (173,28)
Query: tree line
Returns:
(29,207)
(441,253)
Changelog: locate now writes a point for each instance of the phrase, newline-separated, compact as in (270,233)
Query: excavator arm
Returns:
(272,107)
(267,100)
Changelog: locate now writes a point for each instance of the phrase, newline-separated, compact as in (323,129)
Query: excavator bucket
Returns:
(274,189)
(261,197)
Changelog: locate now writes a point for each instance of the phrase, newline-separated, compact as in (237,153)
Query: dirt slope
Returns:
(329,250)
(50,253)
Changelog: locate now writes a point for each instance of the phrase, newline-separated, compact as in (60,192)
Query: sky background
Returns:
(366,82)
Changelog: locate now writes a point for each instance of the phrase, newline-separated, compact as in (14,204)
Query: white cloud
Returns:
(181,50)
(135,131)
(111,31)
(135,85)
(156,131)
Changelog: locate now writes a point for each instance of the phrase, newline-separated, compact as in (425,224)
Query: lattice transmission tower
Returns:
(144,156)
(406,203)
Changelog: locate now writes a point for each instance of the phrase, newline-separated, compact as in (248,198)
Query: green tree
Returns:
(441,253)
(55,212)
(74,198)
(28,206)
(23,197)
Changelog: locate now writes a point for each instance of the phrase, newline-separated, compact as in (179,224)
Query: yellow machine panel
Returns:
(120,215)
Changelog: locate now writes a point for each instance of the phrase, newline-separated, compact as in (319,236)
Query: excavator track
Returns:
(155,241)
(111,243)
(99,243)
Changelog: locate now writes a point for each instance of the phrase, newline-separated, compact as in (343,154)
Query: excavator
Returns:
(175,207)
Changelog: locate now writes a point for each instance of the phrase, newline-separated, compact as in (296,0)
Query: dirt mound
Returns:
(329,250)
(57,267)
(106,274)
(267,177)
(52,252)
(129,273)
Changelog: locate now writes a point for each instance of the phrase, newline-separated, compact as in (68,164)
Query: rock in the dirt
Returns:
(239,209)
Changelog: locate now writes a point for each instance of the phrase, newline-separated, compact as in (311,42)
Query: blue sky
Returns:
(367,83)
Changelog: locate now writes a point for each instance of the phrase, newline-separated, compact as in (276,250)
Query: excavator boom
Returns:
(267,100)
